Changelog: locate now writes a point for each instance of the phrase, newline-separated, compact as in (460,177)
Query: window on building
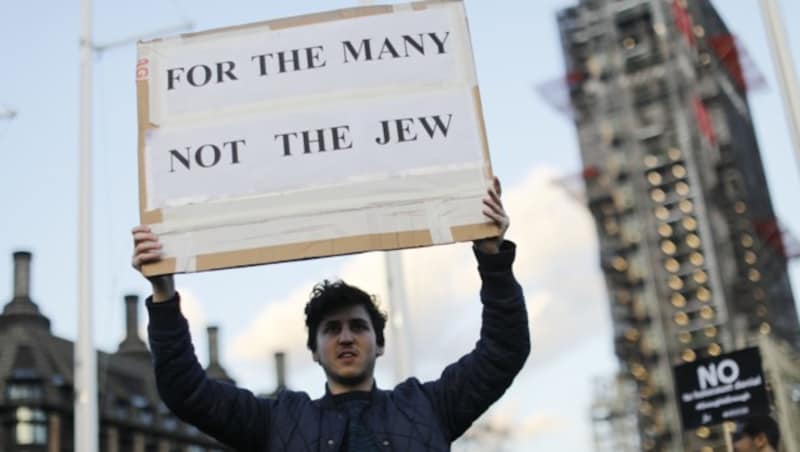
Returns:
(121,408)
(143,411)
(169,423)
(24,390)
(145,416)
(139,401)
(31,426)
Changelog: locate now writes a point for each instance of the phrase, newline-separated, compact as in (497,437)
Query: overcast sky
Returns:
(259,309)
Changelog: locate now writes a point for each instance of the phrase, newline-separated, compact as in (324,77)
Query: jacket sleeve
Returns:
(231,415)
(468,387)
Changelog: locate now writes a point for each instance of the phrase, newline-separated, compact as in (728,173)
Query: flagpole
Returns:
(86,419)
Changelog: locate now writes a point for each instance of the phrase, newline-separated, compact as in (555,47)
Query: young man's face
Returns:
(347,349)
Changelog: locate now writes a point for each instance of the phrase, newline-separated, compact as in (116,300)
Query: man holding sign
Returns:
(345,336)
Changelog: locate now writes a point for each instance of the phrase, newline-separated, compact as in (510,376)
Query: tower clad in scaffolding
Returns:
(690,247)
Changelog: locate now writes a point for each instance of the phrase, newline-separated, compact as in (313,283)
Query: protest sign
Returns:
(722,388)
(340,132)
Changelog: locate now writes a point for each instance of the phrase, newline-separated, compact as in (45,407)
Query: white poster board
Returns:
(332,133)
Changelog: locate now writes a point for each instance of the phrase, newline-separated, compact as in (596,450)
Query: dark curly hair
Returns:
(753,425)
(328,297)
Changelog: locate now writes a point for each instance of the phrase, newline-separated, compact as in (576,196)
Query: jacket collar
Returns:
(329,400)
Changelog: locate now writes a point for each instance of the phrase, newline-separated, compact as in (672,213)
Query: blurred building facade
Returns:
(615,426)
(690,247)
(37,386)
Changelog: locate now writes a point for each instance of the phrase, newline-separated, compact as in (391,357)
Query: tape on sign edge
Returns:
(185,264)
(300,104)
(350,196)
(437,224)
(312,249)
(436,219)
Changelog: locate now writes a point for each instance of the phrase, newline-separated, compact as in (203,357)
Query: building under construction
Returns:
(691,250)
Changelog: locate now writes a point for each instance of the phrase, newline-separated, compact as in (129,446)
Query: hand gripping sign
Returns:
(340,132)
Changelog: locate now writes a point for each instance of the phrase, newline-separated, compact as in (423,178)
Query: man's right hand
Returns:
(147,250)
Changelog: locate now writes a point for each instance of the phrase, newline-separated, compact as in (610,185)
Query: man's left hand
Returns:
(493,210)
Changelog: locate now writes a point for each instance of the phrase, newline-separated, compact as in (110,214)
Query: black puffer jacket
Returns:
(412,417)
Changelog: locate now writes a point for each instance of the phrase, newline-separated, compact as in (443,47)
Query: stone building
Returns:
(37,386)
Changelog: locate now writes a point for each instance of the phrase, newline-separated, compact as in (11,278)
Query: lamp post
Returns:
(85,357)
(86,419)
(785,69)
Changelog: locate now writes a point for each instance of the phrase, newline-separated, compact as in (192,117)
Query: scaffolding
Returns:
(689,244)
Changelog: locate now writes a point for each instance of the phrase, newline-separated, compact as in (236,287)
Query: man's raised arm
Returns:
(232,415)
(467,388)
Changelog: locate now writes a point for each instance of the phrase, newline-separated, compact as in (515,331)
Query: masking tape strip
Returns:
(437,217)
(331,16)
(146,182)
(144,68)
(317,228)
(185,262)
(179,247)
(435,3)
(326,199)
(465,57)
(482,132)
(296,21)
(289,105)
(368,215)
